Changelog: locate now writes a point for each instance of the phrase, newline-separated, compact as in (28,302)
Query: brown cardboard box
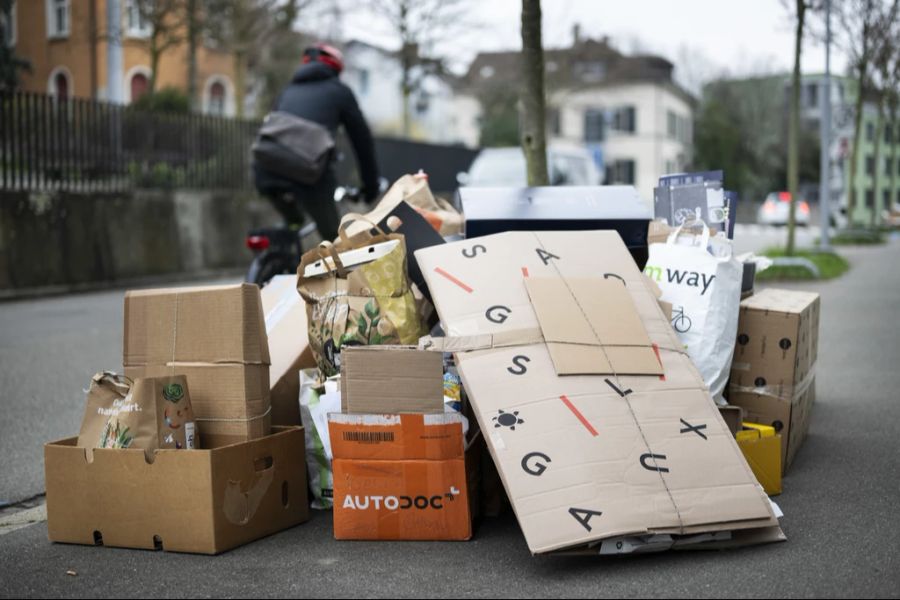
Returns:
(773,372)
(590,457)
(216,337)
(204,501)
(229,396)
(399,477)
(286,328)
(391,379)
(733,416)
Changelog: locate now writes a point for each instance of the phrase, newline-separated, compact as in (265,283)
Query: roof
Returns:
(587,63)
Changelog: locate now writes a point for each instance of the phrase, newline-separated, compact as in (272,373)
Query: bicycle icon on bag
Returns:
(680,321)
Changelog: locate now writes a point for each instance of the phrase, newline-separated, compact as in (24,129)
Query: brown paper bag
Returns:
(370,304)
(415,191)
(148,413)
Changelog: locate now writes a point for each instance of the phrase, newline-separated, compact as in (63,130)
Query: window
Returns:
(870,131)
(670,167)
(594,125)
(870,165)
(620,171)
(218,96)
(138,85)
(887,165)
(886,199)
(59,84)
(363,82)
(870,198)
(217,99)
(8,26)
(672,124)
(57,18)
(553,121)
(591,71)
(136,22)
(623,119)
(812,95)
(888,135)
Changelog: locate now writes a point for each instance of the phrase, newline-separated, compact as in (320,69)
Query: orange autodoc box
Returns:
(399,477)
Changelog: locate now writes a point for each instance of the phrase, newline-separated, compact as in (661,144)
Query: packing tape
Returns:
(485,341)
(781,392)
(247,420)
(285,305)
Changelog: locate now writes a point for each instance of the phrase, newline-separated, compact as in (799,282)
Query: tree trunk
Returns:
(154,52)
(875,176)
(240,81)
(895,138)
(794,130)
(861,69)
(192,32)
(534,143)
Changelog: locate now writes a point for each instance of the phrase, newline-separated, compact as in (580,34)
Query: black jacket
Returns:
(316,93)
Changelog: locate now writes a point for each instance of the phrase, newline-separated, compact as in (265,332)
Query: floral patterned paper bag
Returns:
(370,304)
(147,413)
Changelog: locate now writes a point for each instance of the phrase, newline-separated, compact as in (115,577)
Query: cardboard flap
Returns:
(592,327)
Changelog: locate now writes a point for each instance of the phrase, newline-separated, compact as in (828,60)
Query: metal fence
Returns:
(83,145)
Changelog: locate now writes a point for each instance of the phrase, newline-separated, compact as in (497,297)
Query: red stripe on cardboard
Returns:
(656,350)
(580,416)
(447,275)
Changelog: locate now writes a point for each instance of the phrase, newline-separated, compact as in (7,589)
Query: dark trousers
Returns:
(291,200)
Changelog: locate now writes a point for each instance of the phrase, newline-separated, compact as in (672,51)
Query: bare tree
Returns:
(793,172)
(241,27)
(864,25)
(886,75)
(166,21)
(534,142)
(420,25)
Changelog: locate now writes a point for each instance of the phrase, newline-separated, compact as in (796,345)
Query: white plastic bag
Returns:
(705,293)
(315,403)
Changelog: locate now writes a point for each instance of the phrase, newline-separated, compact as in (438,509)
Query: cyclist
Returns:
(317,94)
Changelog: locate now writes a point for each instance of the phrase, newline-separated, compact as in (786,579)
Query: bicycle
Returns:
(277,250)
(680,321)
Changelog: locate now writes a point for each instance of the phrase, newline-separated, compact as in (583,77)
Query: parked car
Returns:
(505,167)
(774,211)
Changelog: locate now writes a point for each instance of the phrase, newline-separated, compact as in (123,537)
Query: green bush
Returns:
(830,266)
(166,100)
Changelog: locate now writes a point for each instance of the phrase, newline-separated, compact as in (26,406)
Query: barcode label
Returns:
(369,437)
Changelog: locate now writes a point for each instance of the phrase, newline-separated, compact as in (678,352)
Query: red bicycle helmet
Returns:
(326,54)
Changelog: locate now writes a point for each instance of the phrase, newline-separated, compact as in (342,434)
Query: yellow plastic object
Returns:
(761,447)
(754,431)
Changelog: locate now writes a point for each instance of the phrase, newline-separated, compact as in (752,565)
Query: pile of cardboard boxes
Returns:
(246,480)
(596,421)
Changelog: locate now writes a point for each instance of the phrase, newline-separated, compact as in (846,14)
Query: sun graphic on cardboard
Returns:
(505,419)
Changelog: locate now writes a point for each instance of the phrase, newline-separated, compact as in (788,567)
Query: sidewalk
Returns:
(839,501)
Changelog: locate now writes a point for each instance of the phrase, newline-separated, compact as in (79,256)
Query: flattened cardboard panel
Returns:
(391,379)
(580,455)
(579,360)
(584,320)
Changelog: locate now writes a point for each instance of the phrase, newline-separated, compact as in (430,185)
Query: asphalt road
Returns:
(839,500)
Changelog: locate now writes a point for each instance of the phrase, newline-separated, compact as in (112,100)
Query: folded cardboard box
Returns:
(773,372)
(762,449)
(216,336)
(391,379)
(286,329)
(399,477)
(598,422)
(205,501)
